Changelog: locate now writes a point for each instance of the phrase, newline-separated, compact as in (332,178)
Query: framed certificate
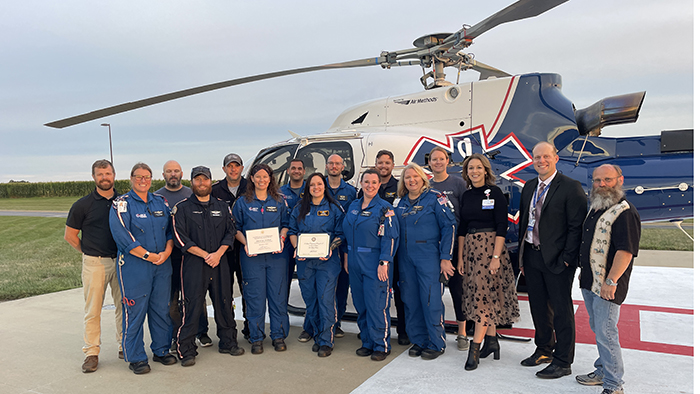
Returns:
(264,240)
(313,246)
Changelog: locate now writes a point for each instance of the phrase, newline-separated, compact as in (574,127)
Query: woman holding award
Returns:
(425,260)
(262,219)
(315,231)
(371,231)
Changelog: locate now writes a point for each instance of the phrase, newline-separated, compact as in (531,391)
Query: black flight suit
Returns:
(207,226)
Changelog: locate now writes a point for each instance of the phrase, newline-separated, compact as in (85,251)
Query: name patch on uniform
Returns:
(252,209)
(342,198)
(418,207)
(216,213)
(199,212)
(141,215)
(322,213)
(158,214)
(271,209)
(366,213)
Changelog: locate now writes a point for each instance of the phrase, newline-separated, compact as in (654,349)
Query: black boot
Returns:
(473,359)
(491,346)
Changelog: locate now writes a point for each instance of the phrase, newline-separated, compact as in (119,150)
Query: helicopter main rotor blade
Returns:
(117,109)
(522,9)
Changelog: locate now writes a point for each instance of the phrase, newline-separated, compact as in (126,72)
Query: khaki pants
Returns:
(98,272)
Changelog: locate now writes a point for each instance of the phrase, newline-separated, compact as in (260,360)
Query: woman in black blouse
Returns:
(489,286)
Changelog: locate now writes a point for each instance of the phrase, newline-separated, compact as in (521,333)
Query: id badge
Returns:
(487,203)
(381,230)
(531,220)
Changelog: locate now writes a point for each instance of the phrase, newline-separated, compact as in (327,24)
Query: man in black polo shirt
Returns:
(609,244)
(90,215)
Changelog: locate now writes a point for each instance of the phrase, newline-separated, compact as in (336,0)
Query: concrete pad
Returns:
(41,340)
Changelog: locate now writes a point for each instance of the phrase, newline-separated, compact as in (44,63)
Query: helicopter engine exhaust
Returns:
(609,111)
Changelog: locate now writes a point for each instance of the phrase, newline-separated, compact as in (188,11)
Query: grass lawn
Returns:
(62,204)
(34,258)
(666,239)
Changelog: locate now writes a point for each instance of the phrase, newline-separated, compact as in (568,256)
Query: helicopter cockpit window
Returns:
(315,156)
(278,159)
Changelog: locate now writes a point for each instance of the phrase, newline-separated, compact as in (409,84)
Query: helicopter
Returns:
(500,115)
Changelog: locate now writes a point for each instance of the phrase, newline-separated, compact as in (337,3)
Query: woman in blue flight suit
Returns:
(425,255)
(141,227)
(318,212)
(265,275)
(371,231)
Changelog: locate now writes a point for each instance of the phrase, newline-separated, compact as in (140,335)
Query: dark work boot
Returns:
(473,359)
(491,346)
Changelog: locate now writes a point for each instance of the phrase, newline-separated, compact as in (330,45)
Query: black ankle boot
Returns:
(473,359)
(491,346)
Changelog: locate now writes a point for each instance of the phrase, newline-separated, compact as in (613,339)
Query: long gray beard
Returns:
(605,197)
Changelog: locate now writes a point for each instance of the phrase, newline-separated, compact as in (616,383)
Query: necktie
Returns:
(538,209)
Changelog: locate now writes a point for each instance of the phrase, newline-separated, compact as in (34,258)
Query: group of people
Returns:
(409,237)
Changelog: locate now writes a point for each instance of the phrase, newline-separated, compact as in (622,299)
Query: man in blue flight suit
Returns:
(292,192)
(204,231)
(141,227)
(344,194)
(372,237)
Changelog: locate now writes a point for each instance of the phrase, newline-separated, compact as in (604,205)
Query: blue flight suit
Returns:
(345,194)
(264,275)
(427,229)
(145,286)
(318,278)
(292,199)
(366,248)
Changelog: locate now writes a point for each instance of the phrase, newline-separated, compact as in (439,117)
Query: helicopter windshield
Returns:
(314,156)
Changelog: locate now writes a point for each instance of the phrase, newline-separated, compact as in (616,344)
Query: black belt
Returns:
(533,247)
(480,230)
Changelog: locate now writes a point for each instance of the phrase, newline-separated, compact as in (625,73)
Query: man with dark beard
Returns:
(203,230)
(174,192)
(90,215)
(610,242)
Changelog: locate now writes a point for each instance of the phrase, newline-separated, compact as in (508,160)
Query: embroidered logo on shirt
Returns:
(158,214)
(141,215)
(271,209)
(342,198)
(322,213)
(216,213)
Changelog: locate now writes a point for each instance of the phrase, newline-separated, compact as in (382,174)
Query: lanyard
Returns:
(538,197)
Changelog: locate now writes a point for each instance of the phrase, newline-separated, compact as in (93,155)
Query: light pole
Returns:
(111,157)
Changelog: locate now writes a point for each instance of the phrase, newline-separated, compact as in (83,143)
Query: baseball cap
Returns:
(232,157)
(201,170)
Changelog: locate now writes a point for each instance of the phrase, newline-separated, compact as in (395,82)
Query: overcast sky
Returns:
(65,58)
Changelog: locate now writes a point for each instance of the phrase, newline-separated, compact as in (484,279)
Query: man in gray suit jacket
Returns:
(552,210)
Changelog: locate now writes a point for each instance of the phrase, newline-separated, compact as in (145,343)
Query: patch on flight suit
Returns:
(390,212)
(390,194)
(158,214)
(271,209)
(323,213)
(366,213)
(342,198)
(216,213)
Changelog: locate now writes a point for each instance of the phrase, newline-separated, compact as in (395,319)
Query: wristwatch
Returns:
(383,263)
(610,282)
(145,256)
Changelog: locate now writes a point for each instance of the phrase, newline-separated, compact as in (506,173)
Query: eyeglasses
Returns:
(597,181)
(142,178)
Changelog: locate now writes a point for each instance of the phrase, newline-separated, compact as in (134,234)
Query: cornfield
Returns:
(65,189)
